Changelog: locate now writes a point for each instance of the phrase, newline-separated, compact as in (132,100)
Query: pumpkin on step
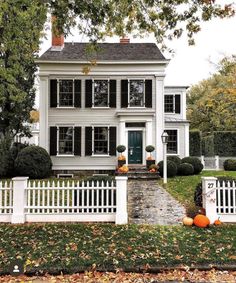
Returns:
(201,221)
(188,221)
(123,169)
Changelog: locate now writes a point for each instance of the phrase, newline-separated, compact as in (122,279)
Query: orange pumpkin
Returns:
(201,221)
(188,221)
(123,169)
(217,222)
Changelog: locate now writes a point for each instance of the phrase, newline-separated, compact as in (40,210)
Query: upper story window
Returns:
(136,93)
(172,103)
(66,94)
(101,93)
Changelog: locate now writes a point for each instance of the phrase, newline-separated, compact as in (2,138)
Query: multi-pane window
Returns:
(169,103)
(65,92)
(172,145)
(172,103)
(65,140)
(101,93)
(136,93)
(100,140)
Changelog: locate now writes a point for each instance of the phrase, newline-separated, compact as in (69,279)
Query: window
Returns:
(172,103)
(65,140)
(100,140)
(136,93)
(65,92)
(101,93)
(172,145)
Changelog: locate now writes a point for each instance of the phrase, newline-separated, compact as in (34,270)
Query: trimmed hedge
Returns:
(230,165)
(175,159)
(196,163)
(225,143)
(171,168)
(195,144)
(33,161)
(185,169)
(208,146)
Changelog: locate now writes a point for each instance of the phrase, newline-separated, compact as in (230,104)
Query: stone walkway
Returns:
(148,203)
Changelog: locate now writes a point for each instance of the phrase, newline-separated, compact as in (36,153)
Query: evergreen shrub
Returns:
(33,161)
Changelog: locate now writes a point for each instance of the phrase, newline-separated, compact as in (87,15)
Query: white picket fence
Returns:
(43,201)
(219,199)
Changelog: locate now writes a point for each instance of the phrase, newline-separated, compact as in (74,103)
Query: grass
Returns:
(182,187)
(69,248)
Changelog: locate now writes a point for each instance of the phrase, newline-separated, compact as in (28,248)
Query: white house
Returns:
(121,100)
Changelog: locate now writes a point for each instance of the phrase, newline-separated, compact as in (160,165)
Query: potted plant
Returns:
(150,160)
(121,158)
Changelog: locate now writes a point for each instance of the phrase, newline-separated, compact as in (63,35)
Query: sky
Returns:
(190,64)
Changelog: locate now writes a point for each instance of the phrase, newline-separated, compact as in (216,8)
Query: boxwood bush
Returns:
(230,165)
(196,163)
(171,168)
(33,161)
(185,169)
(174,159)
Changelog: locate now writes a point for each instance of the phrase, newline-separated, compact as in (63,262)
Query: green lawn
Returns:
(71,248)
(182,187)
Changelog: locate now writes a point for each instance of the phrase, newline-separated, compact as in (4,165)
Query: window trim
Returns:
(173,95)
(58,133)
(108,141)
(144,90)
(177,153)
(73,93)
(108,93)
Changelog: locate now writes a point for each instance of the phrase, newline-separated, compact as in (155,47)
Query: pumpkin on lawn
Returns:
(217,222)
(188,221)
(201,221)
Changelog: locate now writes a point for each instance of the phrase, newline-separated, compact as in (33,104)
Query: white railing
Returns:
(6,207)
(219,199)
(54,201)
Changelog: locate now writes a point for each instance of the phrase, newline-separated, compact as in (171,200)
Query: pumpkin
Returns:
(121,157)
(201,221)
(188,221)
(123,169)
(217,222)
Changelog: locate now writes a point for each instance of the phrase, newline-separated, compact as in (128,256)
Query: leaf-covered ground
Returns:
(121,277)
(71,248)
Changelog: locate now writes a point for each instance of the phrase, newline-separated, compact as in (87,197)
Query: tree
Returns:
(166,19)
(211,103)
(21,25)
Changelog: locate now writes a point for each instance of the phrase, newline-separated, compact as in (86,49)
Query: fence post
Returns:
(209,197)
(121,200)
(217,162)
(19,199)
(203,161)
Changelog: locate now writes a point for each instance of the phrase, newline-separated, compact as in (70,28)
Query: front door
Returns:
(135,145)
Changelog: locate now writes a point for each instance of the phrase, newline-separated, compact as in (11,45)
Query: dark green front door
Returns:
(135,145)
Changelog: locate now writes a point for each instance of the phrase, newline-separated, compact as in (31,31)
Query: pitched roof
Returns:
(106,52)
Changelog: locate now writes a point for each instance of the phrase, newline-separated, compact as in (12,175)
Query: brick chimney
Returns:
(124,40)
(57,39)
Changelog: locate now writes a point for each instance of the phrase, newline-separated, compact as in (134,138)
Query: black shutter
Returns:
(53,93)
(112,141)
(148,93)
(88,93)
(77,89)
(88,140)
(53,140)
(177,104)
(124,93)
(113,93)
(77,141)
